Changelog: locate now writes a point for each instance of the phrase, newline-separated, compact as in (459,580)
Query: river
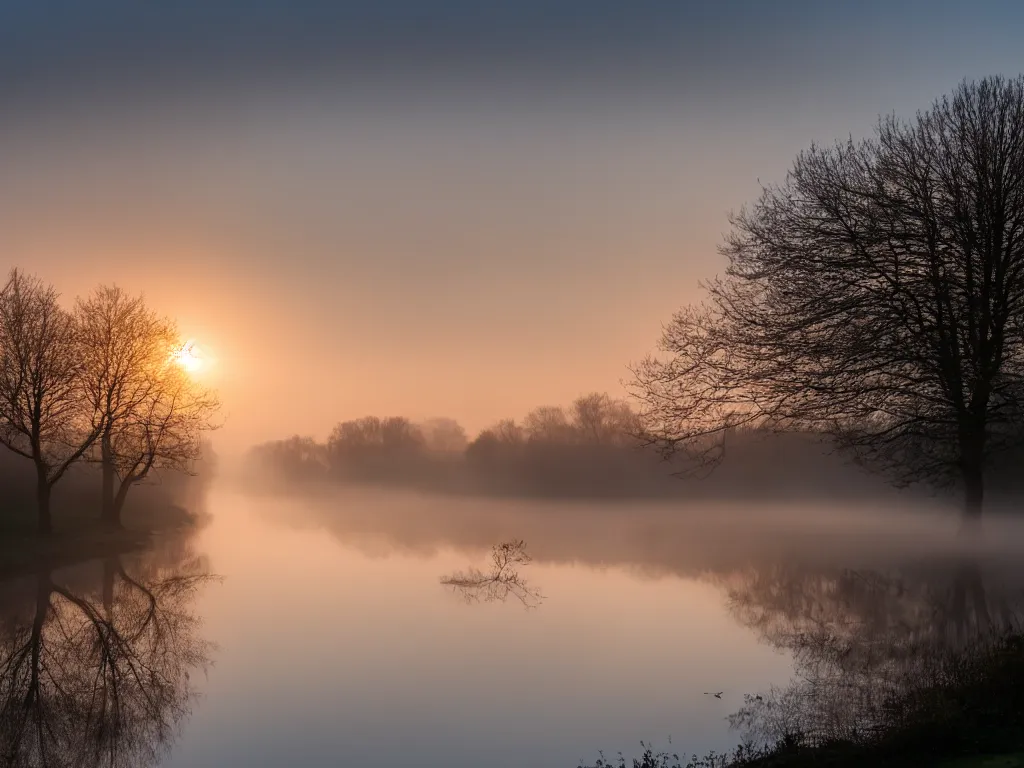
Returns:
(334,629)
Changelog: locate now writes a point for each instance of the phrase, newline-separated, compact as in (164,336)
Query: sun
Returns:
(188,358)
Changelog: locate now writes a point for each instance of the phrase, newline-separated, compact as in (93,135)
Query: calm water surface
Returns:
(337,644)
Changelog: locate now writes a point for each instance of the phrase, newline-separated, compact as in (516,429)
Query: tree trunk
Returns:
(974,495)
(107,512)
(117,504)
(45,519)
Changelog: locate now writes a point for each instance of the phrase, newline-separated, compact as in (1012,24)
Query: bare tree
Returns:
(399,436)
(162,433)
(502,580)
(877,296)
(152,413)
(124,346)
(599,419)
(371,438)
(507,432)
(43,414)
(548,424)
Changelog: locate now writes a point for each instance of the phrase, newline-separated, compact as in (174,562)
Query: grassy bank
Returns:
(963,709)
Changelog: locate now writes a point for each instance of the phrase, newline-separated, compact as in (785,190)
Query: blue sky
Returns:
(742,44)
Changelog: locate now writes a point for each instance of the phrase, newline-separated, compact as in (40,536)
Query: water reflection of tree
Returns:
(501,581)
(860,640)
(100,677)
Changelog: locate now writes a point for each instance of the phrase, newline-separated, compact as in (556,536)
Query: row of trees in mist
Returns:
(552,448)
(876,296)
(592,448)
(98,382)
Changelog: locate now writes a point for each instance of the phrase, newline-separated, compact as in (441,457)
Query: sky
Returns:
(456,208)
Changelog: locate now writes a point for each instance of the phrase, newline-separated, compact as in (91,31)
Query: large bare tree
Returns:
(43,414)
(152,412)
(876,296)
(124,347)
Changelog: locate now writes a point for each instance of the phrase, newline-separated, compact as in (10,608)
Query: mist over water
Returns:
(340,643)
(325,622)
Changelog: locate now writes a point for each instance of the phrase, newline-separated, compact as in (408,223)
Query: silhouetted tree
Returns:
(548,424)
(496,443)
(508,432)
(600,420)
(355,437)
(484,448)
(44,415)
(123,343)
(371,437)
(164,434)
(877,296)
(152,413)
(400,437)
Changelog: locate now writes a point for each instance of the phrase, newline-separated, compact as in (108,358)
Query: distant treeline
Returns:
(590,449)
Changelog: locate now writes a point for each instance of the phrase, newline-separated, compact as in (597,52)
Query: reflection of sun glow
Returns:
(188,358)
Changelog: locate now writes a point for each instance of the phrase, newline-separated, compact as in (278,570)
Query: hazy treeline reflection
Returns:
(97,660)
(592,449)
(870,647)
(872,604)
(660,538)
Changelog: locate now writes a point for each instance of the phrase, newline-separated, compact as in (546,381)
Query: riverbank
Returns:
(22,550)
(21,554)
(965,709)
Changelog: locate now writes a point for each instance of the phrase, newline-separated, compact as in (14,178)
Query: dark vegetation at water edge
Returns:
(950,708)
(173,501)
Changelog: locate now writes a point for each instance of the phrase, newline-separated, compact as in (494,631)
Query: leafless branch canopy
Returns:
(43,415)
(876,296)
(152,413)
